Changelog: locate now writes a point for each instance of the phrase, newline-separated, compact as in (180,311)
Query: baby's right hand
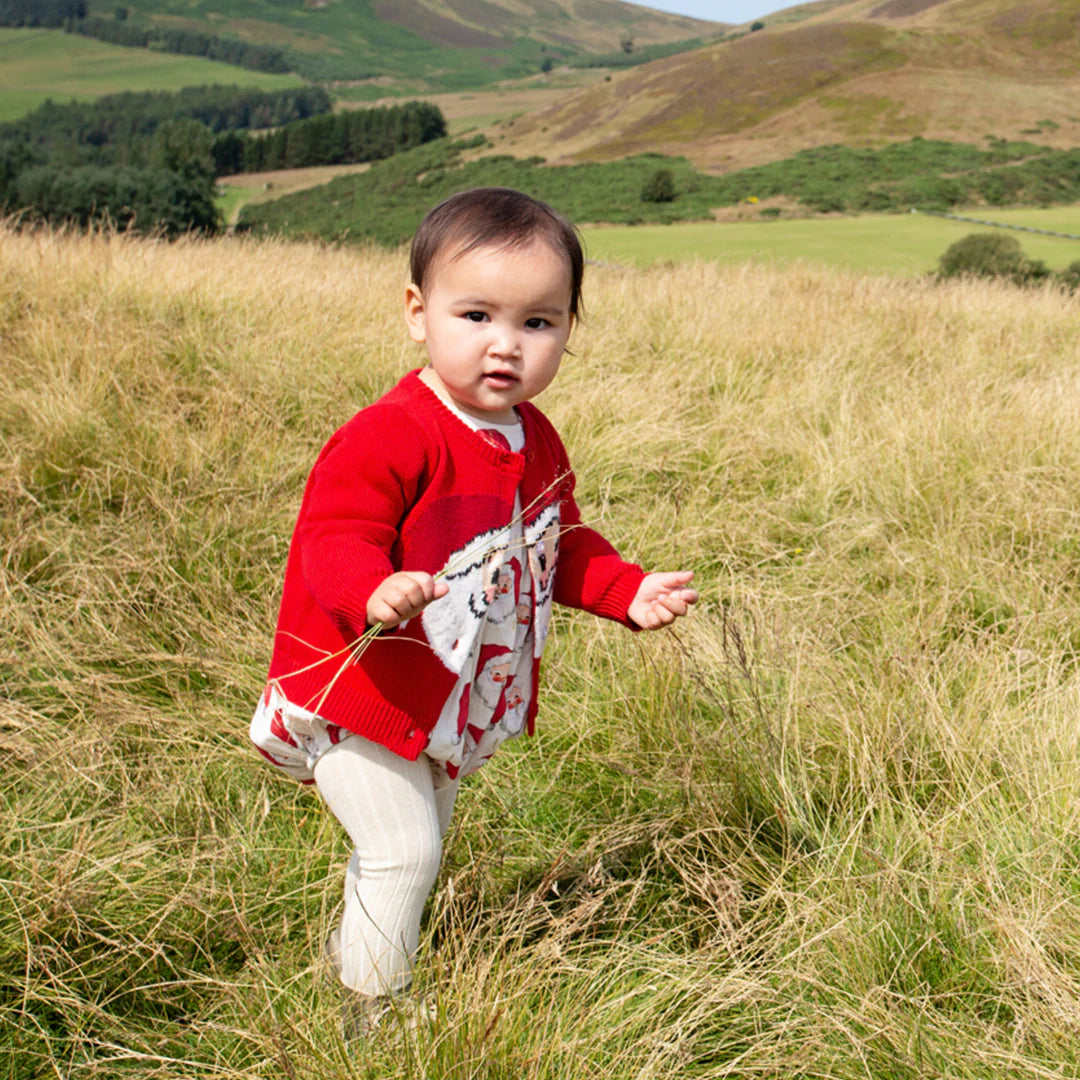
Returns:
(403,595)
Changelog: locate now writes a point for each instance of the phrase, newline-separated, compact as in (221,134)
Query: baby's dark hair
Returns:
(495,217)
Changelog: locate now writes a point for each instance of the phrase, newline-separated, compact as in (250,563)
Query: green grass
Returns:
(40,64)
(898,244)
(1055,218)
(230,197)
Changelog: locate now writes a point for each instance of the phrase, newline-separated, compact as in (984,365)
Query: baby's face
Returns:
(495,323)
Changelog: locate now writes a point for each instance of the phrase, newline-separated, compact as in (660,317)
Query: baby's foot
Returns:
(361,1014)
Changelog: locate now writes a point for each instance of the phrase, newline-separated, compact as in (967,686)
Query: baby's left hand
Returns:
(661,599)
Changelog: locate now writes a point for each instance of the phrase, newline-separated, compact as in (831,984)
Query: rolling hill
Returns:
(426,43)
(36,65)
(862,73)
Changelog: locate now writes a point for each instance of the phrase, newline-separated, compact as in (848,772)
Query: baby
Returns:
(436,529)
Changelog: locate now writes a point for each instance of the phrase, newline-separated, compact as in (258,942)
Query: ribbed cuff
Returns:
(619,595)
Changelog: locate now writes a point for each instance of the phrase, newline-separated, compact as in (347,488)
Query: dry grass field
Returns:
(243,189)
(828,830)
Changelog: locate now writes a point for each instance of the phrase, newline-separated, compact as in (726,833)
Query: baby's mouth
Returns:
(500,378)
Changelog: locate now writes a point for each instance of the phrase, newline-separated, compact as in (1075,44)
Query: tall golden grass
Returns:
(828,828)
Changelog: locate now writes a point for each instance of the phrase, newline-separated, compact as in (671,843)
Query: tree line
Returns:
(71,15)
(150,161)
(185,42)
(170,190)
(112,130)
(49,14)
(339,138)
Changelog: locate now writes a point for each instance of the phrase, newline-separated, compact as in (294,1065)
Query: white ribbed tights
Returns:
(396,819)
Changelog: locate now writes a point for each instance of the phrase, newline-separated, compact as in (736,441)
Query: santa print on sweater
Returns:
(406,485)
(452,623)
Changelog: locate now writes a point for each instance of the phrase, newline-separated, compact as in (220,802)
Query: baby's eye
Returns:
(476,316)
(537,323)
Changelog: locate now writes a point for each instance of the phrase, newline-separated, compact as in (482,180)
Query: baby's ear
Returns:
(414,313)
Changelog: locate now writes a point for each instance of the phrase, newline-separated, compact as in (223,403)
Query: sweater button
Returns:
(411,734)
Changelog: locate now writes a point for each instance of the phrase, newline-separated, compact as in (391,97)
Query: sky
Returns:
(729,11)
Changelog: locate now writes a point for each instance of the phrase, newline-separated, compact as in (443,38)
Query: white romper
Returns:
(495,685)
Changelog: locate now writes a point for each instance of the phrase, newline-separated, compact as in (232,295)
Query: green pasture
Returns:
(901,244)
(230,198)
(40,64)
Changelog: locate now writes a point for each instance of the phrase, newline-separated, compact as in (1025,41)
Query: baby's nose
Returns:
(505,342)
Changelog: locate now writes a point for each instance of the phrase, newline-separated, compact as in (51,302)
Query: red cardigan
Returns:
(405,485)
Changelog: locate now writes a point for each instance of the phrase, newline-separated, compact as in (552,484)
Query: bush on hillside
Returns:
(1070,276)
(659,187)
(993,255)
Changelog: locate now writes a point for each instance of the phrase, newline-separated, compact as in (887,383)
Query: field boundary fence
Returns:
(997,224)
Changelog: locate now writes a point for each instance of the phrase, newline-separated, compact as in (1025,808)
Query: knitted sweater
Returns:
(405,485)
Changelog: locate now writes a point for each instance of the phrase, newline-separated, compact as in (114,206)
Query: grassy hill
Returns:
(830,830)
(387,202)
(861,73)
(40,64)
(425,43)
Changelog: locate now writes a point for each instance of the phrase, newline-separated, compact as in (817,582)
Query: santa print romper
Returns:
(494,688)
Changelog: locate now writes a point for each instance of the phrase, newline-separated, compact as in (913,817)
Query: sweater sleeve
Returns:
(363,483)
(590,573)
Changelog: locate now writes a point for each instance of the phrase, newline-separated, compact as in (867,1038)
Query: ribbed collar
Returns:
(433,406)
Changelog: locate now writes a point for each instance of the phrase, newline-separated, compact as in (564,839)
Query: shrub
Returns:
(1070,276)
(1000,186)
(874,200)
(824,200)
(931,192)
(991,255)
(659,187)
